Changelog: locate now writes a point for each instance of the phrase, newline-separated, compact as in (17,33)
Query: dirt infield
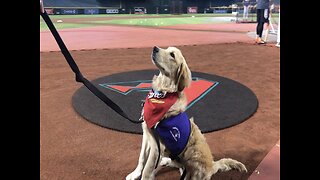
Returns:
(110,37)
(72,148)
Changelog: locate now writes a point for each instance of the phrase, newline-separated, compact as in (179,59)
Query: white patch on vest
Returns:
(175,133)
(157,94)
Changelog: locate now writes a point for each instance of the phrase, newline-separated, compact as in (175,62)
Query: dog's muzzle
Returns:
(155,49)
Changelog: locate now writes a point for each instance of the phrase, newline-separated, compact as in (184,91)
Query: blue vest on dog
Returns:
(174,133)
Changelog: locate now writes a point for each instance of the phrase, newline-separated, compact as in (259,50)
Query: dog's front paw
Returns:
(134,175)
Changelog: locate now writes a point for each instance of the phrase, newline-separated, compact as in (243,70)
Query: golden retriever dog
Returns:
(195,155)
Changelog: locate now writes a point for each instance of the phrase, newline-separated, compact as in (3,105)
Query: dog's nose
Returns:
(155,49)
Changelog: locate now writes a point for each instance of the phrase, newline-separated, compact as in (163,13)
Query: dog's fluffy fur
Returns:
(174,76)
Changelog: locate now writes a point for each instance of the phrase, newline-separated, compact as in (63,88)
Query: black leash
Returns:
(183,174)
(90,86)
(157,138)
(79,76)
(177,158)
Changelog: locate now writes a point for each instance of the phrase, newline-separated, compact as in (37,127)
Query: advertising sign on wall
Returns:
(91,11)
(69,11)
(139,10)
(192,10)
(112,11)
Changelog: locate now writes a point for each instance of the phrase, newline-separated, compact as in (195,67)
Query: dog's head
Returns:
(173,66)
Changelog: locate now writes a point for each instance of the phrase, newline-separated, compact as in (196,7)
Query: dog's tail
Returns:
(227,164)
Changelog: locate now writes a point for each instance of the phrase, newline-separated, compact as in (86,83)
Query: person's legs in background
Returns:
(245,12)
(260,23)
(278,33)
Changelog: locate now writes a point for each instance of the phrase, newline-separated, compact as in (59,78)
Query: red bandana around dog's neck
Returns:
(157,105)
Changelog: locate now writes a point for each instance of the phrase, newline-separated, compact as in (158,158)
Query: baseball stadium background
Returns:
(142,6)
(114,36)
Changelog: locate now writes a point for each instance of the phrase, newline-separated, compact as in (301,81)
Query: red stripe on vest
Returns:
(156,106)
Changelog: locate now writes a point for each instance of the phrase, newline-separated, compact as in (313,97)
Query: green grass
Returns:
(43,25)
(162,21)
(134,15)
(149,20)
(138,20)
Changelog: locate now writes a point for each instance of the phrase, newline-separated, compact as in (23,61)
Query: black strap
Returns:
(177,158)
(157,138)
(79,76)
(183,174)
(174,158)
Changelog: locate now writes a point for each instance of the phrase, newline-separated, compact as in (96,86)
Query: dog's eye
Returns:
(172,54)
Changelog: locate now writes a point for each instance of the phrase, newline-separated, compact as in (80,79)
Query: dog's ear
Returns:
(183,77)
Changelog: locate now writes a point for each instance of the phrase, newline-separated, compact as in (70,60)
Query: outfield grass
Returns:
(136,15)
(43,25)
(139,20)
(135,19)
(164,21)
